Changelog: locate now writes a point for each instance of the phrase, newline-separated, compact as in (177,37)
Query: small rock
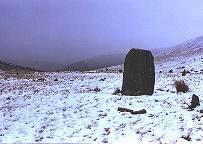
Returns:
(181,67)
(184,73)
(186,138)
(102,79)
(117,91)
(41,79)
(97,89)
(171,71)
(105,141)
(150,115)
(56,79)
(124,110)
(143,111)
(120,71)
(107,131)
(1,134)
(195,101)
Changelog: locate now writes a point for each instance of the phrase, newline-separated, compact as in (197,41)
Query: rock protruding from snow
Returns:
(139,73)
(143,111)
(195,101)
(185,72)
(124,109)
(41,79)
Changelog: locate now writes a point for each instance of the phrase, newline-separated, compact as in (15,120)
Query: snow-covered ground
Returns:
(81,107)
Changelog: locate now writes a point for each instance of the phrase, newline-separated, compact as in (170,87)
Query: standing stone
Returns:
(139,73)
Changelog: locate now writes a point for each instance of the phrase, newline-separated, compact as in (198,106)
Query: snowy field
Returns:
(81,107)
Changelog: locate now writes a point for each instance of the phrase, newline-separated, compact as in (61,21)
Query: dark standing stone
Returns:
(195,101)
(139,73)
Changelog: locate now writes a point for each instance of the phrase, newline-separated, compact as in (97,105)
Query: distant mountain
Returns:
(97,62)
(8,66)
(44,65)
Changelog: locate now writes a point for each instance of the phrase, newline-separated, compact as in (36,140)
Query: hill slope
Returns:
(6,66)
(97,62)
(188,48)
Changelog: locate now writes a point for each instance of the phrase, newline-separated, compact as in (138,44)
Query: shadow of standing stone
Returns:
(139,73)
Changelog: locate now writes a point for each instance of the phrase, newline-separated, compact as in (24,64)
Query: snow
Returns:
(71,111)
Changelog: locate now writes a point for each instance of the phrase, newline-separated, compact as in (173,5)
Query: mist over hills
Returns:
(97,62)
(101,61)
(193,46)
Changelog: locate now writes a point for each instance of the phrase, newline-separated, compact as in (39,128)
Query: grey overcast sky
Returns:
(64,31)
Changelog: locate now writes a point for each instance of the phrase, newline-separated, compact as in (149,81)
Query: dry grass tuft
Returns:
(181,86)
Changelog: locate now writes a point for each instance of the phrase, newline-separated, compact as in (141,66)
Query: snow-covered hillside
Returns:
(81,108)
(190,47)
